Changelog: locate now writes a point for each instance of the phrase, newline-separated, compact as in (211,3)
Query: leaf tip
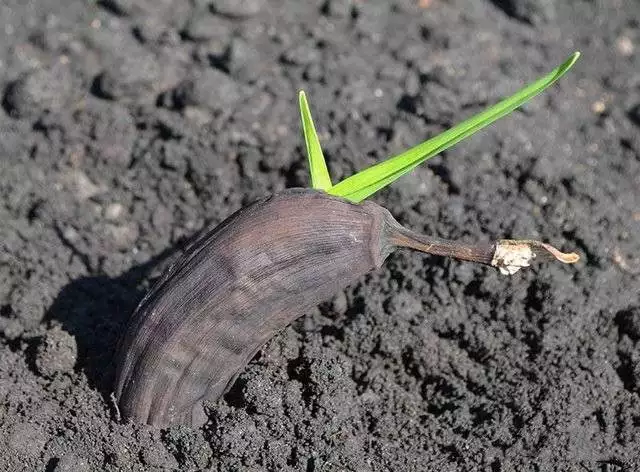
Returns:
(568,64)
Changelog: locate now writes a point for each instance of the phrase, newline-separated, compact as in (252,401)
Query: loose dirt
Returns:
(126,126)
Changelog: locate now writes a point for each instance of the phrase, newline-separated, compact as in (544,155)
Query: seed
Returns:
(247,279)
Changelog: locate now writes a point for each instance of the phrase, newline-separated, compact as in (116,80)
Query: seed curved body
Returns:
(232,291)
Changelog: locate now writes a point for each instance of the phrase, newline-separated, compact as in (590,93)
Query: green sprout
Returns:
(320,179)
(368,181)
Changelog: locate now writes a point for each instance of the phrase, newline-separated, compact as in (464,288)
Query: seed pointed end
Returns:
(511,255)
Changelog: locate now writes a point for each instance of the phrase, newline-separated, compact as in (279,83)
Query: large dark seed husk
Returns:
(232,290)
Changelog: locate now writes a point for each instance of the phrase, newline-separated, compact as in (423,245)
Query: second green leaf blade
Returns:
(368,181)
(320,178)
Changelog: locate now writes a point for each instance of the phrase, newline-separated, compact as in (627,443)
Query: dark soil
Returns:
(128,125)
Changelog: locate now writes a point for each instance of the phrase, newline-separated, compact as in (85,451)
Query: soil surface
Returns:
(126,126)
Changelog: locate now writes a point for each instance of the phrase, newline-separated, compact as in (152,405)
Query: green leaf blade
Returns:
(368,181)
(320,178)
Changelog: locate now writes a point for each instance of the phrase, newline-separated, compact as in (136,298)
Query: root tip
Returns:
(512,255)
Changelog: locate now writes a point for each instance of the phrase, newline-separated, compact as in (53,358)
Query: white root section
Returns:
(511,255)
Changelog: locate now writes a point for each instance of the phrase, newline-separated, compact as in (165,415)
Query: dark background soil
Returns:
(128,125)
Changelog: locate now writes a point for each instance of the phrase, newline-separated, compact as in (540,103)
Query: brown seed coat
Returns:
(232,291)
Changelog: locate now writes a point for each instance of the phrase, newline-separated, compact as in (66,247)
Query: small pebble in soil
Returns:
(11,328)
(56,353)
(113,211)
(28,304)
(130,77)
(123,236)
(243,60)
(112,131)
(79,184)
(625,46)
(39,90)
(211,88)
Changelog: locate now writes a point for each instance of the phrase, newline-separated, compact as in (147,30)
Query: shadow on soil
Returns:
(96,309)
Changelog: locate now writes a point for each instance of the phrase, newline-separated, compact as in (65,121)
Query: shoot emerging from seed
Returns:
(511,255)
